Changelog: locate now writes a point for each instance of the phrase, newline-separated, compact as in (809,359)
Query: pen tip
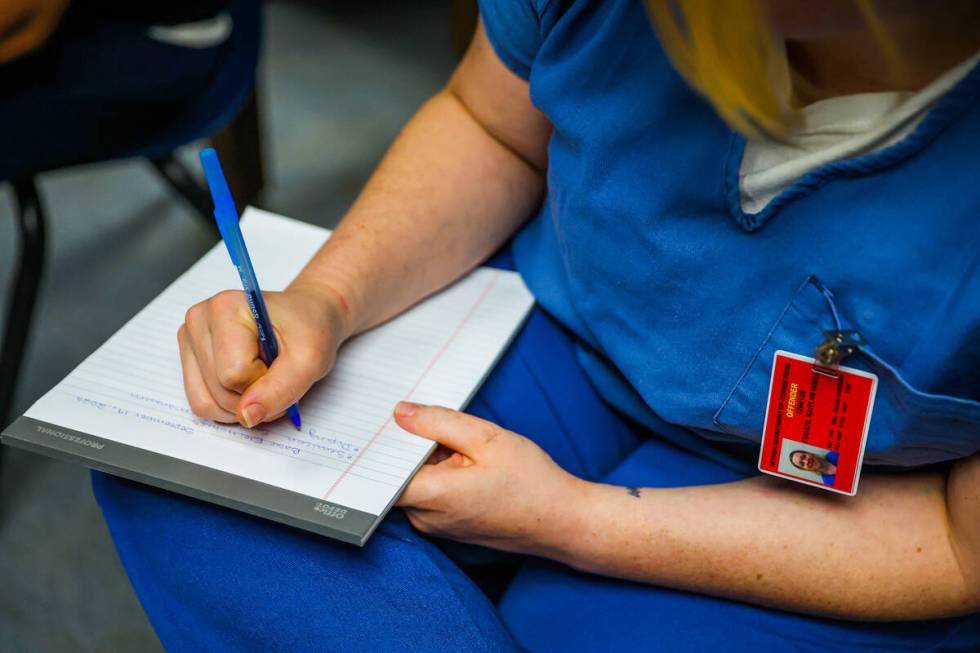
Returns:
(294,417)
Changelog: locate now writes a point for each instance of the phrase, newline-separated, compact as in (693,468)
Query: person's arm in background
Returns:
(462,176)
(26,24)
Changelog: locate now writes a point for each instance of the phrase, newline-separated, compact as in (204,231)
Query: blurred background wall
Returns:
(337,80)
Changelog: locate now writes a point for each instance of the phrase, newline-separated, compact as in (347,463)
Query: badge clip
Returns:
(837,346)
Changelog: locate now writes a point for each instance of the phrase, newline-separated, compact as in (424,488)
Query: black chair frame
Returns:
(29,218)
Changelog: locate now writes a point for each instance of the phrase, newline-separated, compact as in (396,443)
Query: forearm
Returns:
(445,197)
(886,554)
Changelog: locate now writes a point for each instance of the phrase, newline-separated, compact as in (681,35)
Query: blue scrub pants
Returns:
(216,579)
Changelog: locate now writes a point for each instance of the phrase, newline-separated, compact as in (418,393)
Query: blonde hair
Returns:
(728,51)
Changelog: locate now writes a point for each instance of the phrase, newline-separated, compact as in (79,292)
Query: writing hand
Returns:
(224,377)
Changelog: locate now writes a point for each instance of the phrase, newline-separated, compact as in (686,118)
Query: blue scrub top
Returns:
(830,479)
(679,298)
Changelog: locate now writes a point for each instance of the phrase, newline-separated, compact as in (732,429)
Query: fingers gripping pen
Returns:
(226,215)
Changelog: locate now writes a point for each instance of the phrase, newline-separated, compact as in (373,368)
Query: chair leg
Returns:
(464,15)
(27,278)
(240,147)
(181,180)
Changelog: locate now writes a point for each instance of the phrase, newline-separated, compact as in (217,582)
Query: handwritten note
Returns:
(349,451)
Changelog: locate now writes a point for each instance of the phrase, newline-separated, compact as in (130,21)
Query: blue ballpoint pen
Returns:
(226,216)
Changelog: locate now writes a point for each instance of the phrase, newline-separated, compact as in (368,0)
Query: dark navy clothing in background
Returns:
(101,87)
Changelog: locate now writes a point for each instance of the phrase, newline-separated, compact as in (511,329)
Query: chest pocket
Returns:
(908,427)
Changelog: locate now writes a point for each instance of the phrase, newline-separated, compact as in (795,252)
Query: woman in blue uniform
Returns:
(810,169)
(825,466)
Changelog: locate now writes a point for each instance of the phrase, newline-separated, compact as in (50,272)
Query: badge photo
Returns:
(816,423)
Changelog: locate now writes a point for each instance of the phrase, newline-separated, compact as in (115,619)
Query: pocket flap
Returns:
(908,427)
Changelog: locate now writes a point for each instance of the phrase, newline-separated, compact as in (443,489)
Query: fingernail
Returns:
(253,414)
(406,408)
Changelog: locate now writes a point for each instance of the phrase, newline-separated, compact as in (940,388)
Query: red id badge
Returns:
(816,423)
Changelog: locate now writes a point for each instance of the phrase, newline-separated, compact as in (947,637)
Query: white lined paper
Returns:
(349,451)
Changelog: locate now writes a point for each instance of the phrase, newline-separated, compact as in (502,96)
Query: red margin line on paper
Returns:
(418,382)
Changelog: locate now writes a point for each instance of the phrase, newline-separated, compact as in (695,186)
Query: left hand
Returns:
(495,488)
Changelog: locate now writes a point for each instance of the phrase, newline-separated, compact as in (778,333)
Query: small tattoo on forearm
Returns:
(634,492)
